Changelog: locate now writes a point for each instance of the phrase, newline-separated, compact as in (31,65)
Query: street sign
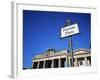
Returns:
(69,30)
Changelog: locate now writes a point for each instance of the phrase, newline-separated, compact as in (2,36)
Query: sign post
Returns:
(71,51)
(67,31)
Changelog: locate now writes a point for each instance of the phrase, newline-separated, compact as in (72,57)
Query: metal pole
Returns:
(70,45)
(71,50)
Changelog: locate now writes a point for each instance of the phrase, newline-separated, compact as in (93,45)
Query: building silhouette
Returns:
(58,59)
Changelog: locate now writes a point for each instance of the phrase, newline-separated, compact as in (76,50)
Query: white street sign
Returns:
(69,30)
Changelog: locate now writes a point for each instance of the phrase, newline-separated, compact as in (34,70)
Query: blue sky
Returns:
(41,30)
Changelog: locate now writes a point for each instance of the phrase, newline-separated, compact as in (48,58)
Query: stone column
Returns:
(52,65)
(59,63)
(69,63)
(76,63)
(37,65)
(65,62)
(86,61)
(44,64)
(32,65)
